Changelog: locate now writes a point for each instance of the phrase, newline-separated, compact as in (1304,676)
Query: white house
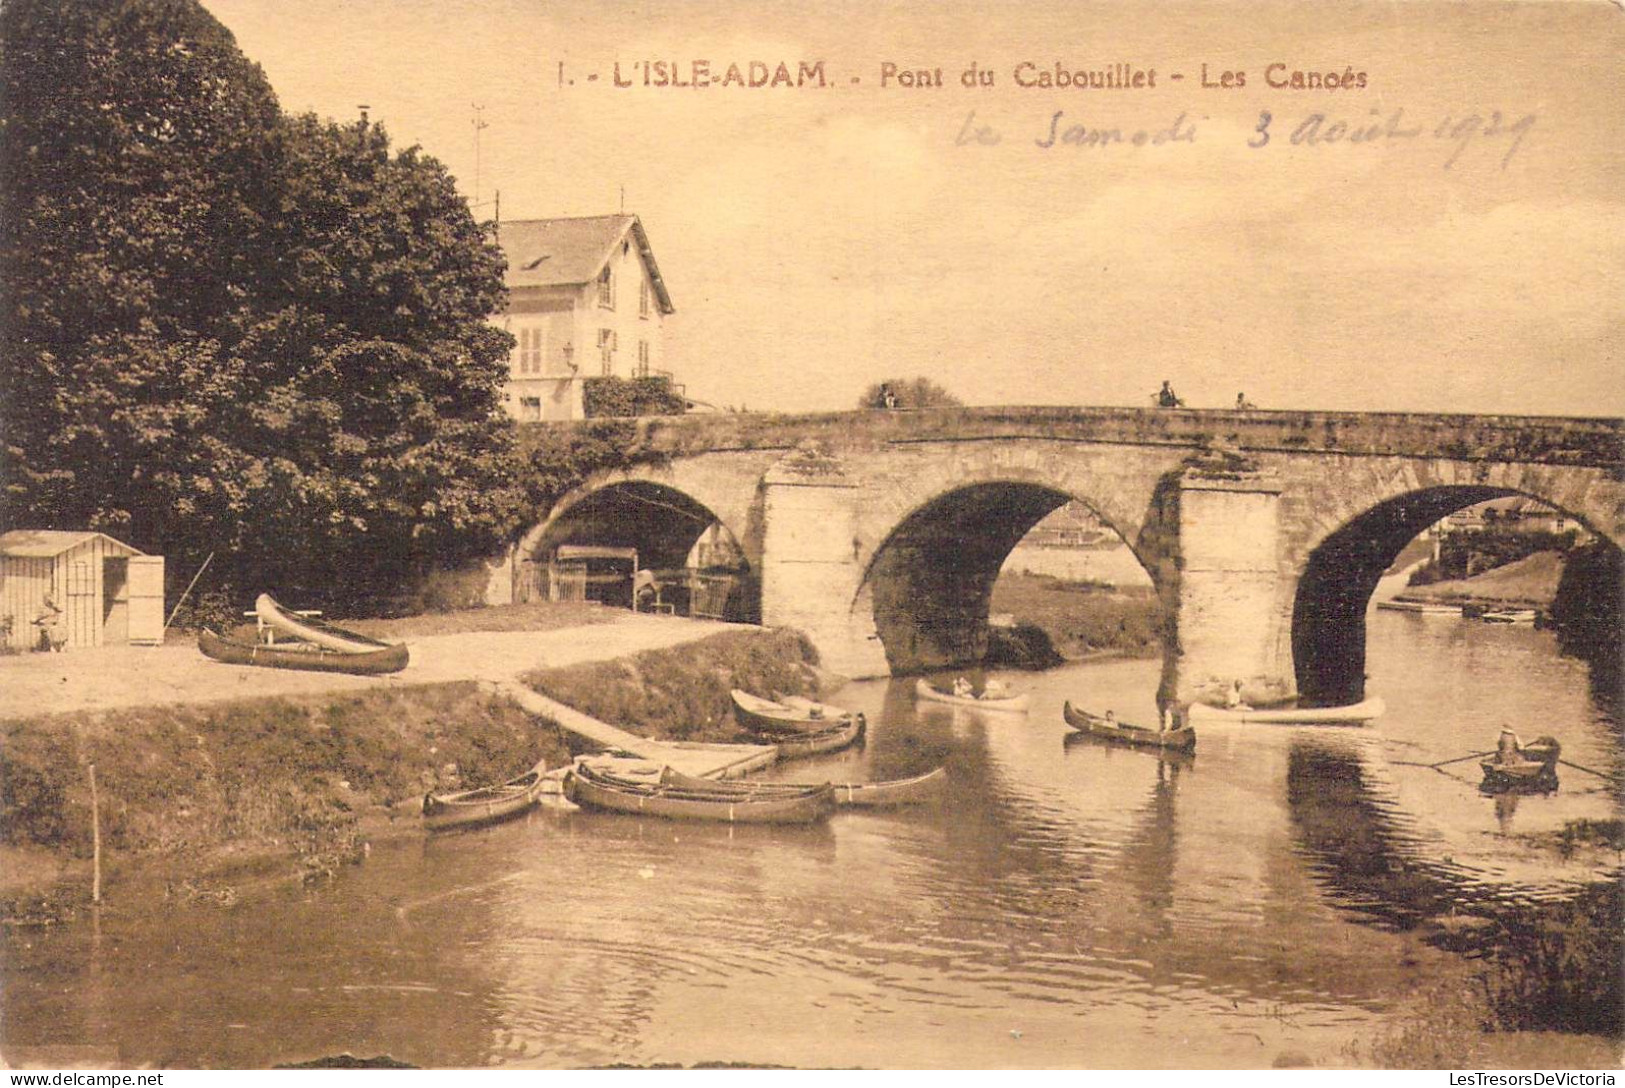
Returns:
(585,299)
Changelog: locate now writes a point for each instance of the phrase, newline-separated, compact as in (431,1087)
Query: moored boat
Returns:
(1181,739)
(984,702)
(1510,615)
(1426,608)
(314,631)
(918,790)
(485,805)
(780,716)
(675,801)
(384,659)
(1353,714)
(842,735)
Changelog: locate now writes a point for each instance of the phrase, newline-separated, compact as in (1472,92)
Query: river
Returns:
(1070,904)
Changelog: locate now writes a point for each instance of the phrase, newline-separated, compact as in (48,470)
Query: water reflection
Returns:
(1257,893)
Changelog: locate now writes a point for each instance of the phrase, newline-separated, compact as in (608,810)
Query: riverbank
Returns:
(681,694)
(210,775)
(1083,620)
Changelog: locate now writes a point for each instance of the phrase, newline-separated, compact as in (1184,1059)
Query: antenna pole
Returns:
(479,123)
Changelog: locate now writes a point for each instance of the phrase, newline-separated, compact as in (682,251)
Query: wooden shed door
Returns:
(146,599)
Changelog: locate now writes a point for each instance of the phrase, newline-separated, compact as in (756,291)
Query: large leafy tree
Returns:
(223,330)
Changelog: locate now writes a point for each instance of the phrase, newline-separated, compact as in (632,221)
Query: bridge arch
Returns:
(1338,563)
(656,512)
(927,584)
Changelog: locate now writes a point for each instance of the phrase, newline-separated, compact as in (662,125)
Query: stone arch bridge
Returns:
(880,534)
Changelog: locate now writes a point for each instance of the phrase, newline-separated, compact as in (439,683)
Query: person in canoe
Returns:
(1168,725)
(963,688)
(1508,747)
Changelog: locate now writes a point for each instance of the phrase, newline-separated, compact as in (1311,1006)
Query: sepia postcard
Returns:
(833,535)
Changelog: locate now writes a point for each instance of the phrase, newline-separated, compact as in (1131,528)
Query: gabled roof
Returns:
(569,252)
(46,543)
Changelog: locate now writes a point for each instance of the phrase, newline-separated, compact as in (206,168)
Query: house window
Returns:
(643,299)
(532,350)
(643,358)
(530,409)
(606,288)
(606,350)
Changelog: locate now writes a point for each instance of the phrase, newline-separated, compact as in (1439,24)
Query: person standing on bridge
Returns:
(1167,398)
(1243,404)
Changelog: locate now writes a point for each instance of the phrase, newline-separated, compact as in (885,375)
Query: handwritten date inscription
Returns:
(1318,129)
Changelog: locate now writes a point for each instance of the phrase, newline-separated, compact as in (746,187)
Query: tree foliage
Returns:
(909,393)
(613,396)
(225,330)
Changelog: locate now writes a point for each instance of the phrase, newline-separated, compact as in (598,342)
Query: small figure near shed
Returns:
(53,633)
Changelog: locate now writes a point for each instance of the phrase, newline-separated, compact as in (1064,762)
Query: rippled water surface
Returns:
(1071,904)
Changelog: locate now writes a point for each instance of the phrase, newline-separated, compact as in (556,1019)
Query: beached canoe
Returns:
(486,805)
(385,659)
(1181,739)
(998,702)
(843,735)
(314,631)
(595,789)
(918,790)
(778,717)
(1510,615)
(1354,714)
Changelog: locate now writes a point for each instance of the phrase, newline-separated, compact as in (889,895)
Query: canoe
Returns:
(1510,615)
(1181,739)
(486,805)
(918,790)
(1426,608)
(1324,715)
(313,630)
(844,735)
(778,717)
(302,656)
(594,789)
(1006,702)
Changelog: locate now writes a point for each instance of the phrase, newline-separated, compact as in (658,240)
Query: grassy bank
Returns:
(682,693)
(1084,618)
(292,778)
(1542,986)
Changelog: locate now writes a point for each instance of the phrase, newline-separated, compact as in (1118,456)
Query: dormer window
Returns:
(606,288)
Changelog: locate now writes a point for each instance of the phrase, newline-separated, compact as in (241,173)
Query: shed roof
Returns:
(46,543)
(569,252)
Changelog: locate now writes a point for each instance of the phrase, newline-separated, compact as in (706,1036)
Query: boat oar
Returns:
(185,595)
(1443,762)
(1588,770)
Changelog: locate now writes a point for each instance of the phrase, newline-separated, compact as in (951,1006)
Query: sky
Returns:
(818,239)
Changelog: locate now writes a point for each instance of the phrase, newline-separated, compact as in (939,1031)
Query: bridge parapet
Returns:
(1598,443)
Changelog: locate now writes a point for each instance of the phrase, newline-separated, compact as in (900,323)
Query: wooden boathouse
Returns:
(109,593)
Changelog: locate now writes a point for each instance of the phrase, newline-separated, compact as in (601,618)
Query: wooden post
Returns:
(95,841)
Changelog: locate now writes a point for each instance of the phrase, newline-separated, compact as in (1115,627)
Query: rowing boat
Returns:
(1181,739)
(674,801)
(1354,713)
(918,790)
(985,702)
(1530,774)
(312,630)
(1426,608)
(486,805)
(843,735)
(385,659)
(780,716)
(1510,615)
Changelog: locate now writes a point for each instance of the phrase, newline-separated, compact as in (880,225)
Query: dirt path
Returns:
(34,685)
